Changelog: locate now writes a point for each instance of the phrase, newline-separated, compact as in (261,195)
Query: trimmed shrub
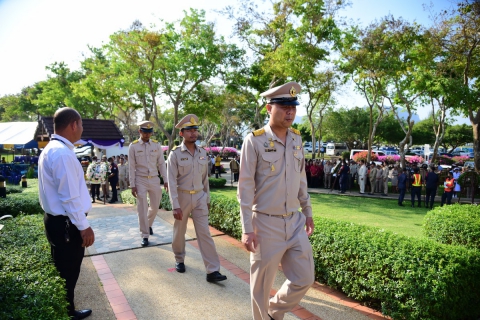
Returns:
(14,189)
(406,278)
(20,203)
(225,215)
(217,183)
(128,198)
(346,155)
(30,286)
(456,224)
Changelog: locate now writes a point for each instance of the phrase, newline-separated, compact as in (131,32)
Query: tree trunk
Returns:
(476,145)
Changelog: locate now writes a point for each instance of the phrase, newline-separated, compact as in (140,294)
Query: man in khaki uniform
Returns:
(362,176)
(385,178)
(122,174)
(328,174)
(146,160)
(189,194)
(271,188)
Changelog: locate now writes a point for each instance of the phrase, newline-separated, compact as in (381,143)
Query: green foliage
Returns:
(14,189)
(346,155)
(456,224)
(407,278)
(217,183)
(20,203)
(30,286)
(128,198)
(30,173)
(225,215)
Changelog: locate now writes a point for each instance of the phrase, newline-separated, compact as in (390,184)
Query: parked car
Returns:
(467,154)
(83,151)
(469,164)
(445,154)
(309,149)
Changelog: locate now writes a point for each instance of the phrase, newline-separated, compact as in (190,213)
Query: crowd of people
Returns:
(383,178)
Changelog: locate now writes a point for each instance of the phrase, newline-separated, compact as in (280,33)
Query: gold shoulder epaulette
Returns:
(153,140)
(136,141)
(258,132)
(175,147)
(294,131)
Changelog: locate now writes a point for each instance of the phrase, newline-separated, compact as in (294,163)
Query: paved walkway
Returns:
(122,280)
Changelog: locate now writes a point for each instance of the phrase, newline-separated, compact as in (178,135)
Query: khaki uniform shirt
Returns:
(146,159)
(272,176)
(373,174)
(328,169)
(385,172)
(187,172)
(123,169)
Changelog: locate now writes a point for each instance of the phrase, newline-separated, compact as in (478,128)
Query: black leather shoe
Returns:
(151,231)
(180,267)
(215,277)
(98,198)
(111,201)
(144,242)
(82,314)
(93,201)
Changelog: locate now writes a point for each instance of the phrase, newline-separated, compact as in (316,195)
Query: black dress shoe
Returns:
(98,198)
(180,267)
(82,314)
(144,242)
(93,201)
(111,201)
(151,231)
(215,277)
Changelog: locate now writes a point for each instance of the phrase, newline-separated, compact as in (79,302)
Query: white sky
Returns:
(36,33)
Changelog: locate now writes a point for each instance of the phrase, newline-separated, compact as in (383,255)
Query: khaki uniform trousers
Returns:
(122,182)
(361,182)
(146,214)
(279,240)
(196,205)
(373,182)
(385,186)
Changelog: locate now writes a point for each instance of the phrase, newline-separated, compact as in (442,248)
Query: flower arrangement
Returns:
(363,156)
(391,159)
(460,159)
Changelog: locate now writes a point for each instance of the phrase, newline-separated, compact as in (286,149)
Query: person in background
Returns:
(113,179)
(328,174)
(353,173)
(385,172)
(372,177)
(96,176)
(448,185)
(344,173)
(362,176)
(379,180)
(456,175)
(431,183)
(218,168)
(402,186)
(235,168)
(416,189)
(106,171)
(122,174)
(395,173)
(64,198)
(315,174)
(308,165)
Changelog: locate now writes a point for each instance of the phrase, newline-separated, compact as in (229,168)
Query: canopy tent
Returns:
(18,135)
(102,134)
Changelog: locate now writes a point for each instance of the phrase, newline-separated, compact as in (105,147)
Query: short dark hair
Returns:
(64,117)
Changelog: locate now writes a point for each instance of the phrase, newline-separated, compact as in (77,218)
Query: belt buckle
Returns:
(148,177)
(192,191)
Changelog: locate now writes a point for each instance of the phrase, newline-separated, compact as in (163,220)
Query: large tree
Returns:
(461,43)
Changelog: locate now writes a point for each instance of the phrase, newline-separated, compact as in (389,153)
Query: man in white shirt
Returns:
(362,176)
(64,197)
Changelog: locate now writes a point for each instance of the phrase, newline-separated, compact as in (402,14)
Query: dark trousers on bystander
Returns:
(67,255)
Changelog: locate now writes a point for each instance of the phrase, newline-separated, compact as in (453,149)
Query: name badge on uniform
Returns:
(270,150)
(183,159)
(296,147)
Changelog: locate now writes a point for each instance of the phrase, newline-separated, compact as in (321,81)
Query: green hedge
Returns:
(456,224)
(128,198)
(225,215)
(30,286)
(405,278)
(13,189)
(217,182)
(20,203)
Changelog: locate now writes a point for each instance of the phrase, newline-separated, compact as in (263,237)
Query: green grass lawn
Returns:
(380,213)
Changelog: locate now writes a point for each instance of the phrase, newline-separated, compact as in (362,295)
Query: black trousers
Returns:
(67,256)
(430,196)
(448,197)
(95,190)
(113,185)
(416,191)
(401,195)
